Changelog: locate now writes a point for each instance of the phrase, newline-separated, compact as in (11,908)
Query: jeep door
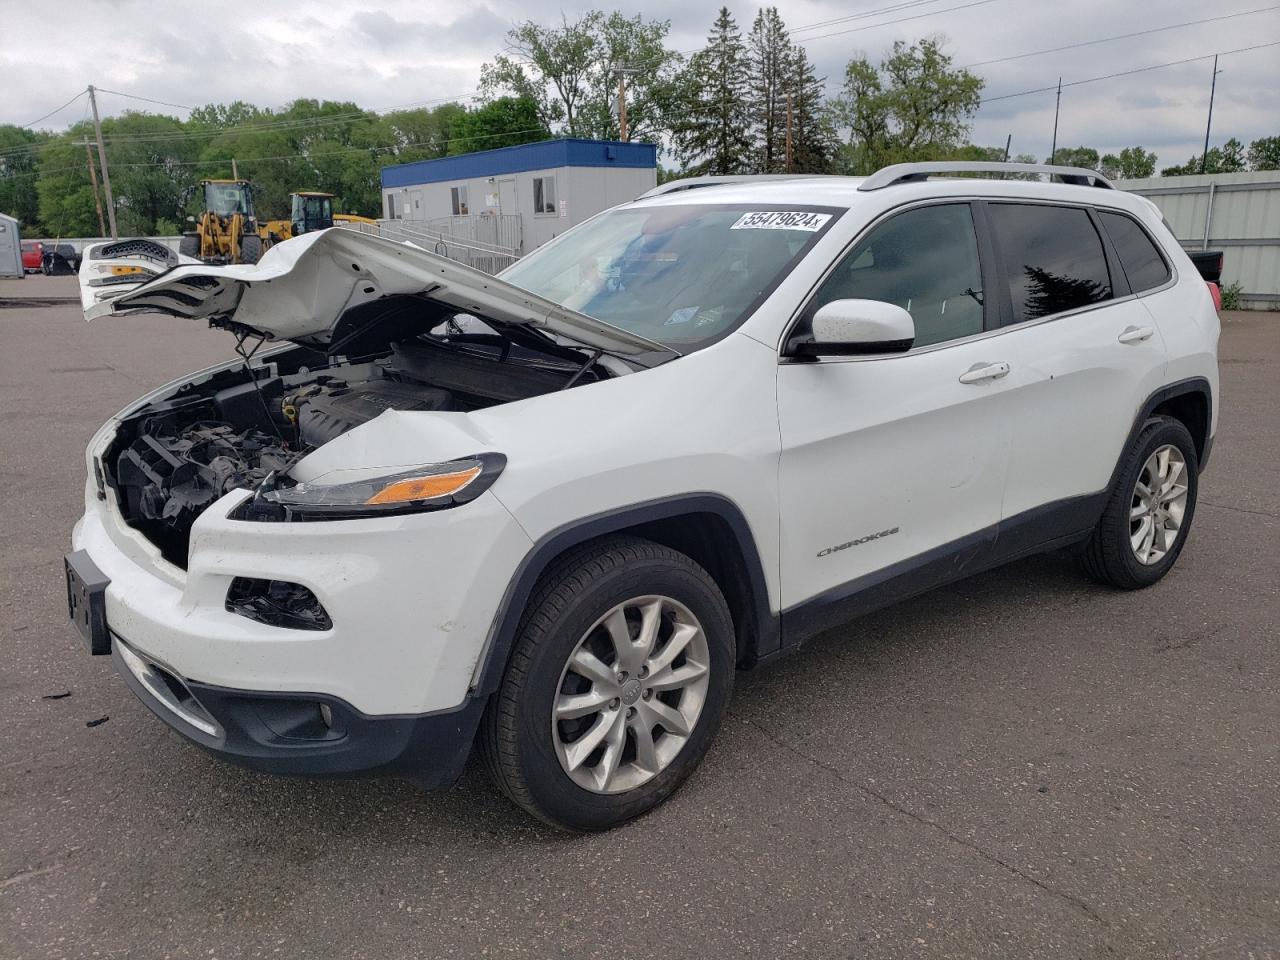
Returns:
(892,466)
(1086,356)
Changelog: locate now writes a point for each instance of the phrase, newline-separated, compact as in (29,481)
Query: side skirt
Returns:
(1035,531)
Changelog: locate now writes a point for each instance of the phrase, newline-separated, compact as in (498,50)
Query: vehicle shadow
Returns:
(388,816)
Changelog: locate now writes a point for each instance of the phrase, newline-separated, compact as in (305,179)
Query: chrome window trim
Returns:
(985,334)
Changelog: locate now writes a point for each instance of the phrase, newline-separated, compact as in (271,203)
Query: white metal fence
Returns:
(1237,213)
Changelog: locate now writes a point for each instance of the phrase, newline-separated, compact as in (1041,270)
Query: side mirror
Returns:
(857,327)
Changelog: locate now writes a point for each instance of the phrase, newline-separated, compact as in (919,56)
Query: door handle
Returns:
(984,371)
(1135,334)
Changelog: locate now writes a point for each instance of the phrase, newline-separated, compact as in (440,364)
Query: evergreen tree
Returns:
(712,137)
(769,55)
(811,135)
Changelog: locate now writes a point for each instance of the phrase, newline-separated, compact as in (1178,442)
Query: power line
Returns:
(312,156)
(1121,36)
(1126,73)
(886,23)
(282,125)
(134,96)
(872,26)
(864,15)
(59,110)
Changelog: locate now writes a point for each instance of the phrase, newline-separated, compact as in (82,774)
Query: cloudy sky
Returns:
(385,53)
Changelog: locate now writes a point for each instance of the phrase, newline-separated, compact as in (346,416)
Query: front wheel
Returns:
(619,679)
(1149,512)
(250,248)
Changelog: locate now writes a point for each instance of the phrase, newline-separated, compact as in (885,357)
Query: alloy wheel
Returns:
(1158,505)
(630,694)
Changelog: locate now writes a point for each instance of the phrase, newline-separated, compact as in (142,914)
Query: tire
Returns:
(528,753)
(1110,555)
(189,245)
(250,248)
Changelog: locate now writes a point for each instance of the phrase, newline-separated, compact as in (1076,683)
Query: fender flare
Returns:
(506,622)
(1181,388)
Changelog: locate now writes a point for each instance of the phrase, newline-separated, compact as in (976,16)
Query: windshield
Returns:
(684,275)
(228,199)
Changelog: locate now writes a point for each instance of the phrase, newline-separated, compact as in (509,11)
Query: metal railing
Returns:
(489,257)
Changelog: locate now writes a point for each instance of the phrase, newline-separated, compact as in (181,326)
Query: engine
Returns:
(175,457)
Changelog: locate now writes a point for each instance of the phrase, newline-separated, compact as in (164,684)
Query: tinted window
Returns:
(1138,253)
(1053,258)
(925,261)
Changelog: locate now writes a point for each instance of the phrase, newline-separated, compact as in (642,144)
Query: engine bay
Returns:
(175,457)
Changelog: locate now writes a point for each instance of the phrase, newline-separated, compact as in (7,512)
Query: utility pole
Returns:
(102,160)
(93,178)
(1213,86)
(788,133)
(1054,149)
(235,174)
(622,70)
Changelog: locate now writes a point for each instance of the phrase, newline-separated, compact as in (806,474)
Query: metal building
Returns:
(10,247)
(1237,213)
(513,199)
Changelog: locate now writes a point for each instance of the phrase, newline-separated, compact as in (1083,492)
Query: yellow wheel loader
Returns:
(227,231)
(309,210)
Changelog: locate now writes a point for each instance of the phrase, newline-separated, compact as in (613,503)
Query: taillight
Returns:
(1216,293)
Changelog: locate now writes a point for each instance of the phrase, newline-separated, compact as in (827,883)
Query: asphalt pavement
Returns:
(1021,765)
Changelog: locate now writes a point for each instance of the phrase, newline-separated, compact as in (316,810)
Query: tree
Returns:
(769,57)
(1085,157)
(424,133)
(1132,163)
(1264,154)
(504,122)
(811,134)
(711,135)
(569,72)
(20,151)
(915,106)
(1229,158)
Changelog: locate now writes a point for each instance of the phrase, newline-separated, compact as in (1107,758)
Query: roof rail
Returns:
(714,180)
(916,172)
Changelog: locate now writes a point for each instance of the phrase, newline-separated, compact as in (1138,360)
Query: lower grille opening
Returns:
(277,603)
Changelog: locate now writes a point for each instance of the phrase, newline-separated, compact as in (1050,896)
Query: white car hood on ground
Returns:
(302,287)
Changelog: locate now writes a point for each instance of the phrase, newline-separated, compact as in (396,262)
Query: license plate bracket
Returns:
(87,601)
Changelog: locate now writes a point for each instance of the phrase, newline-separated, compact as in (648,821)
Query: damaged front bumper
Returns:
(384,688)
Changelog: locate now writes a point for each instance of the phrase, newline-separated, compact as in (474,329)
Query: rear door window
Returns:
(1052,256)
(1139,255)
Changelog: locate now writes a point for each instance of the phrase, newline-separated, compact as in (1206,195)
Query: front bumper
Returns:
(302,734)
(411,600)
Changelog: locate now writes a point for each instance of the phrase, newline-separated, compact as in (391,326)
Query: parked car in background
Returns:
(549,513)
(32,256)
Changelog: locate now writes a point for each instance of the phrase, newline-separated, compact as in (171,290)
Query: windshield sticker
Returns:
(683,315)
(781,220)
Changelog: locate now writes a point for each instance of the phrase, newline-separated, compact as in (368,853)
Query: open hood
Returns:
(302,287)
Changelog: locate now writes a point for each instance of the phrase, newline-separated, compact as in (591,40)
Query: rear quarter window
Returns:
(1052,256)
(1141,259)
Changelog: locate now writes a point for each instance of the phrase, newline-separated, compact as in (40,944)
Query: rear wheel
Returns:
(1148,515)
(619,679)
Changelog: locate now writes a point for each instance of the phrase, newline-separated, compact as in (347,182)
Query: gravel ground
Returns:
(1020,765)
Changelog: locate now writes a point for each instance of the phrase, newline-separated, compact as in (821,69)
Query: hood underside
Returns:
(300,289)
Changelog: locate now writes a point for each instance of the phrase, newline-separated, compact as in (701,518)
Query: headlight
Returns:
(435,486)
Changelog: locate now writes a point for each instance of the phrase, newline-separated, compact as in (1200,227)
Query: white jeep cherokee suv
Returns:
(550,513)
